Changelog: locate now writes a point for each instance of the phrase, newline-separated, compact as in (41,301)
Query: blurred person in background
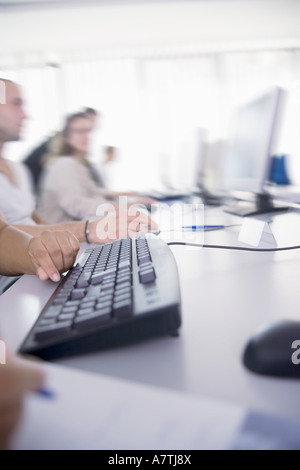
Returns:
(105,171)
(34,161)
(17,200)
(71,188)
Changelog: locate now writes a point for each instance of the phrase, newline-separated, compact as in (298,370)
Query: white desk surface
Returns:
(226,297)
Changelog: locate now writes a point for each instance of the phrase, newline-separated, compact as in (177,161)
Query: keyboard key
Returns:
(109,278)
(144,259)
(122,309)
(125,286)
(108,287)
(97,278)
(147,276)
(70,283)
(146,266)
(66,316)
(45,321)
(112,264)
(100,316)
(53,312)
(71,303)
(85,311)
(71,309)
(123,280)
(83,259)
(105,304)
(93,292)
(124,264)
(59,301)
(45,332)
(84,279)
(122,297)
(110,270)
(87,302)
(78,294)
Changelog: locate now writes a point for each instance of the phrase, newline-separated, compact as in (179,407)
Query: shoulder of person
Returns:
(19,167)
(63,162)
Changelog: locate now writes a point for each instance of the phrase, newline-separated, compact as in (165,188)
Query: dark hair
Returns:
(70,119)
(66,148)
(90,111)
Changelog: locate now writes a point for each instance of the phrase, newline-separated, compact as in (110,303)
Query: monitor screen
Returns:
(251,138)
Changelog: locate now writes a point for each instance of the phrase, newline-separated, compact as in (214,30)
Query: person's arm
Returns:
(103,230)
(46,254)
(77,228)
(17,377)
(37,219)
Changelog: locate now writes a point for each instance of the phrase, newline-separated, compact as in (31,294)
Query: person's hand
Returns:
(17,377)
(52,253)
(120,224)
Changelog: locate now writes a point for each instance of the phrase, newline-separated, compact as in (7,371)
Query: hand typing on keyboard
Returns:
(119,292)
(46,255)
(52,253)
(121,224)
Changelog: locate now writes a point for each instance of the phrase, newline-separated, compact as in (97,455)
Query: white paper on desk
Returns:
(96,412)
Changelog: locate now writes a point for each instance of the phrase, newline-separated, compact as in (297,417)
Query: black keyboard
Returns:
(117,293)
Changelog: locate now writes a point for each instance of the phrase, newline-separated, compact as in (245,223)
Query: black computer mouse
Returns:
(275,350)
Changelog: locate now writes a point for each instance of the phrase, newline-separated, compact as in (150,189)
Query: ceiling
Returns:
(51,2)
(16,3)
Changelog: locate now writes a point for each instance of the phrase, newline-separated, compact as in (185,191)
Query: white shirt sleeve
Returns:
(17,203)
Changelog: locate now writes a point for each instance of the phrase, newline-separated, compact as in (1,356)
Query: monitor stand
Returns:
(262,205)
(208,198)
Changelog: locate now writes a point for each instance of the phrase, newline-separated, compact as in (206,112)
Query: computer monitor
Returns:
(248,156)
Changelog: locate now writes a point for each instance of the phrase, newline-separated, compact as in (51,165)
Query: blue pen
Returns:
(45,392)
(202,227)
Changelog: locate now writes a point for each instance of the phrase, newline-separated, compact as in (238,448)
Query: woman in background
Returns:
(69,189)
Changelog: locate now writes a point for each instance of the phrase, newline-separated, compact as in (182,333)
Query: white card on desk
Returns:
(90,411)
(257,232)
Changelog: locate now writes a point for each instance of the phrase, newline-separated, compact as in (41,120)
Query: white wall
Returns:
(60,30)
(59,34)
